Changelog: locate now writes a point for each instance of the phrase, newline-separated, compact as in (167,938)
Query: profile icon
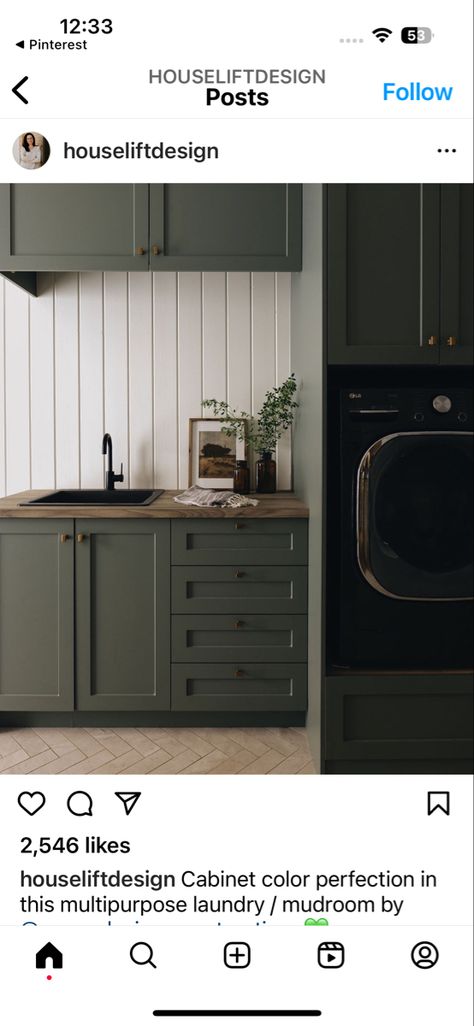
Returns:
(31,150)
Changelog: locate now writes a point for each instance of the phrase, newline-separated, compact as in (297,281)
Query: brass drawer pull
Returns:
(238,624)
(432,341)
(451,342)
(239,673)
(139,251)
(239,573)
(155,250)
(238,526)
(81,538)
(63,538)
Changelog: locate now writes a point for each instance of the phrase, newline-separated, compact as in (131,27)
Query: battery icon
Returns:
(416,34)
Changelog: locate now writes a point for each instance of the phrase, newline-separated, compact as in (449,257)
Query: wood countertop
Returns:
(281,504)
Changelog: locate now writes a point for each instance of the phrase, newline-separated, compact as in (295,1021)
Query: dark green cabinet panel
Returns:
(240,542)
(36,615)
(399,274)
(225,227)
(264,589)
(158,227)
(122,614)
(252,638)
(457,275)
(398,717)
(240,688)
(383,266)
(73,227)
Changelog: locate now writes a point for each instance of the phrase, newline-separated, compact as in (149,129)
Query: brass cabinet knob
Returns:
(238,526)
(238,574)
(432,341)
(81,538)
(139,251)
(238,624)
(239,673)
(63,538)
(155,250)
(451,342)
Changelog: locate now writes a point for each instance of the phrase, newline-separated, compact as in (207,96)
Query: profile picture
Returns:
(31,150)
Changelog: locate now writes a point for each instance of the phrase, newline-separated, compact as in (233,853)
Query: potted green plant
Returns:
(262,431)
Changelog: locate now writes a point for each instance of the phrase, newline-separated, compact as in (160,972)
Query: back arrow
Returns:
(17,87)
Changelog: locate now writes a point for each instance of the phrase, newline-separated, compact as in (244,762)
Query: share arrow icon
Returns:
(129,799)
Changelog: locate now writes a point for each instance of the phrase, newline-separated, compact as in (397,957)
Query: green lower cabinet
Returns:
(240,542)
(224,639)
(227,589)
(247,687)
(36,615)
(390,719)
(122,615)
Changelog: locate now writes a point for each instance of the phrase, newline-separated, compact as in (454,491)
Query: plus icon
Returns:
(237,955)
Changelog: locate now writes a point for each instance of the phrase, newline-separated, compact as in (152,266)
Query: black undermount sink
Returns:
(97,497)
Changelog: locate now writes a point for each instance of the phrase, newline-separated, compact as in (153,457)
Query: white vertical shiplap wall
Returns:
(133,354)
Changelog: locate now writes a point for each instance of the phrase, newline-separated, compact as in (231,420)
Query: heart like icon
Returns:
(31,801)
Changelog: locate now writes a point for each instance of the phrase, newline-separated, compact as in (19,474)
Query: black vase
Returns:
(266,473)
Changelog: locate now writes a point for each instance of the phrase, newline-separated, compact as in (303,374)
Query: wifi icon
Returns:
(382,34)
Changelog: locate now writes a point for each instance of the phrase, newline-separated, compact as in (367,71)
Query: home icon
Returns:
(49,951)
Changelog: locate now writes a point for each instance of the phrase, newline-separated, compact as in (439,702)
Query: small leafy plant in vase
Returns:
(263,431)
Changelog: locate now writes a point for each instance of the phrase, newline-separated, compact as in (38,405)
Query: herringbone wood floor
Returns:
(155,750)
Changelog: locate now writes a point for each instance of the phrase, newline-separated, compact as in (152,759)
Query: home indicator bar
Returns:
(241,1012)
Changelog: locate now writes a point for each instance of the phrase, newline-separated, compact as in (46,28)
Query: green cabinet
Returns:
(84,615)
(122,614)
(73,227)
(245,687)
(239,615)
(36,615)
(409,723)
(399,274)
(240,542)
(225,227)
(86,623)
(157,227)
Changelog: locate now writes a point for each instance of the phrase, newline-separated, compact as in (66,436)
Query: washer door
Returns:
(414,515)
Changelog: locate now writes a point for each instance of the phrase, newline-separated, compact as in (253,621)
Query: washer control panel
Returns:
(409,407)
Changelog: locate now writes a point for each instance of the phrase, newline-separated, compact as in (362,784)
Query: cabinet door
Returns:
(225,227)
(382,273)
(122,614)
(73,227)
(36,615)
(457,275)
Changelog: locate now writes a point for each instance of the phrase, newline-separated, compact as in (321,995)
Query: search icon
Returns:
(142,954)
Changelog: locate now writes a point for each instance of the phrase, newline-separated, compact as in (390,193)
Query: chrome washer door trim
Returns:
(362,512)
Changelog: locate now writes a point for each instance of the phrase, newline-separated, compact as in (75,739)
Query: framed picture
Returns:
(212,454)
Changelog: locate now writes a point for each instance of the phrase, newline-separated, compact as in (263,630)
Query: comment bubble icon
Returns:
(80,803)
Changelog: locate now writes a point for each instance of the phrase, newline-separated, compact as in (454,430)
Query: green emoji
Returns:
(316,922)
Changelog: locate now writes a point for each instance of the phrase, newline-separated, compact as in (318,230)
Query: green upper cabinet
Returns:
(122,614)
(73,227)
(36,615)
(398,274)
(225,227)
(157,227)
(457,275)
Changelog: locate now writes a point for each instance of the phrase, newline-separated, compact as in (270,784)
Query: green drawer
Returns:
(256,639)
(244,687)
(250,589)
(239,541)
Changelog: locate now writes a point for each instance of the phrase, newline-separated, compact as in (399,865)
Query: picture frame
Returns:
(212,454)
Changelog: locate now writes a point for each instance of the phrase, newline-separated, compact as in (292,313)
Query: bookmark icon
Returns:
(129,799)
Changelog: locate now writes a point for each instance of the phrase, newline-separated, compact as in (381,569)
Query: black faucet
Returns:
(111,478)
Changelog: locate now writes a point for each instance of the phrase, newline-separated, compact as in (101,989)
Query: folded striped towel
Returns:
(197,496)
